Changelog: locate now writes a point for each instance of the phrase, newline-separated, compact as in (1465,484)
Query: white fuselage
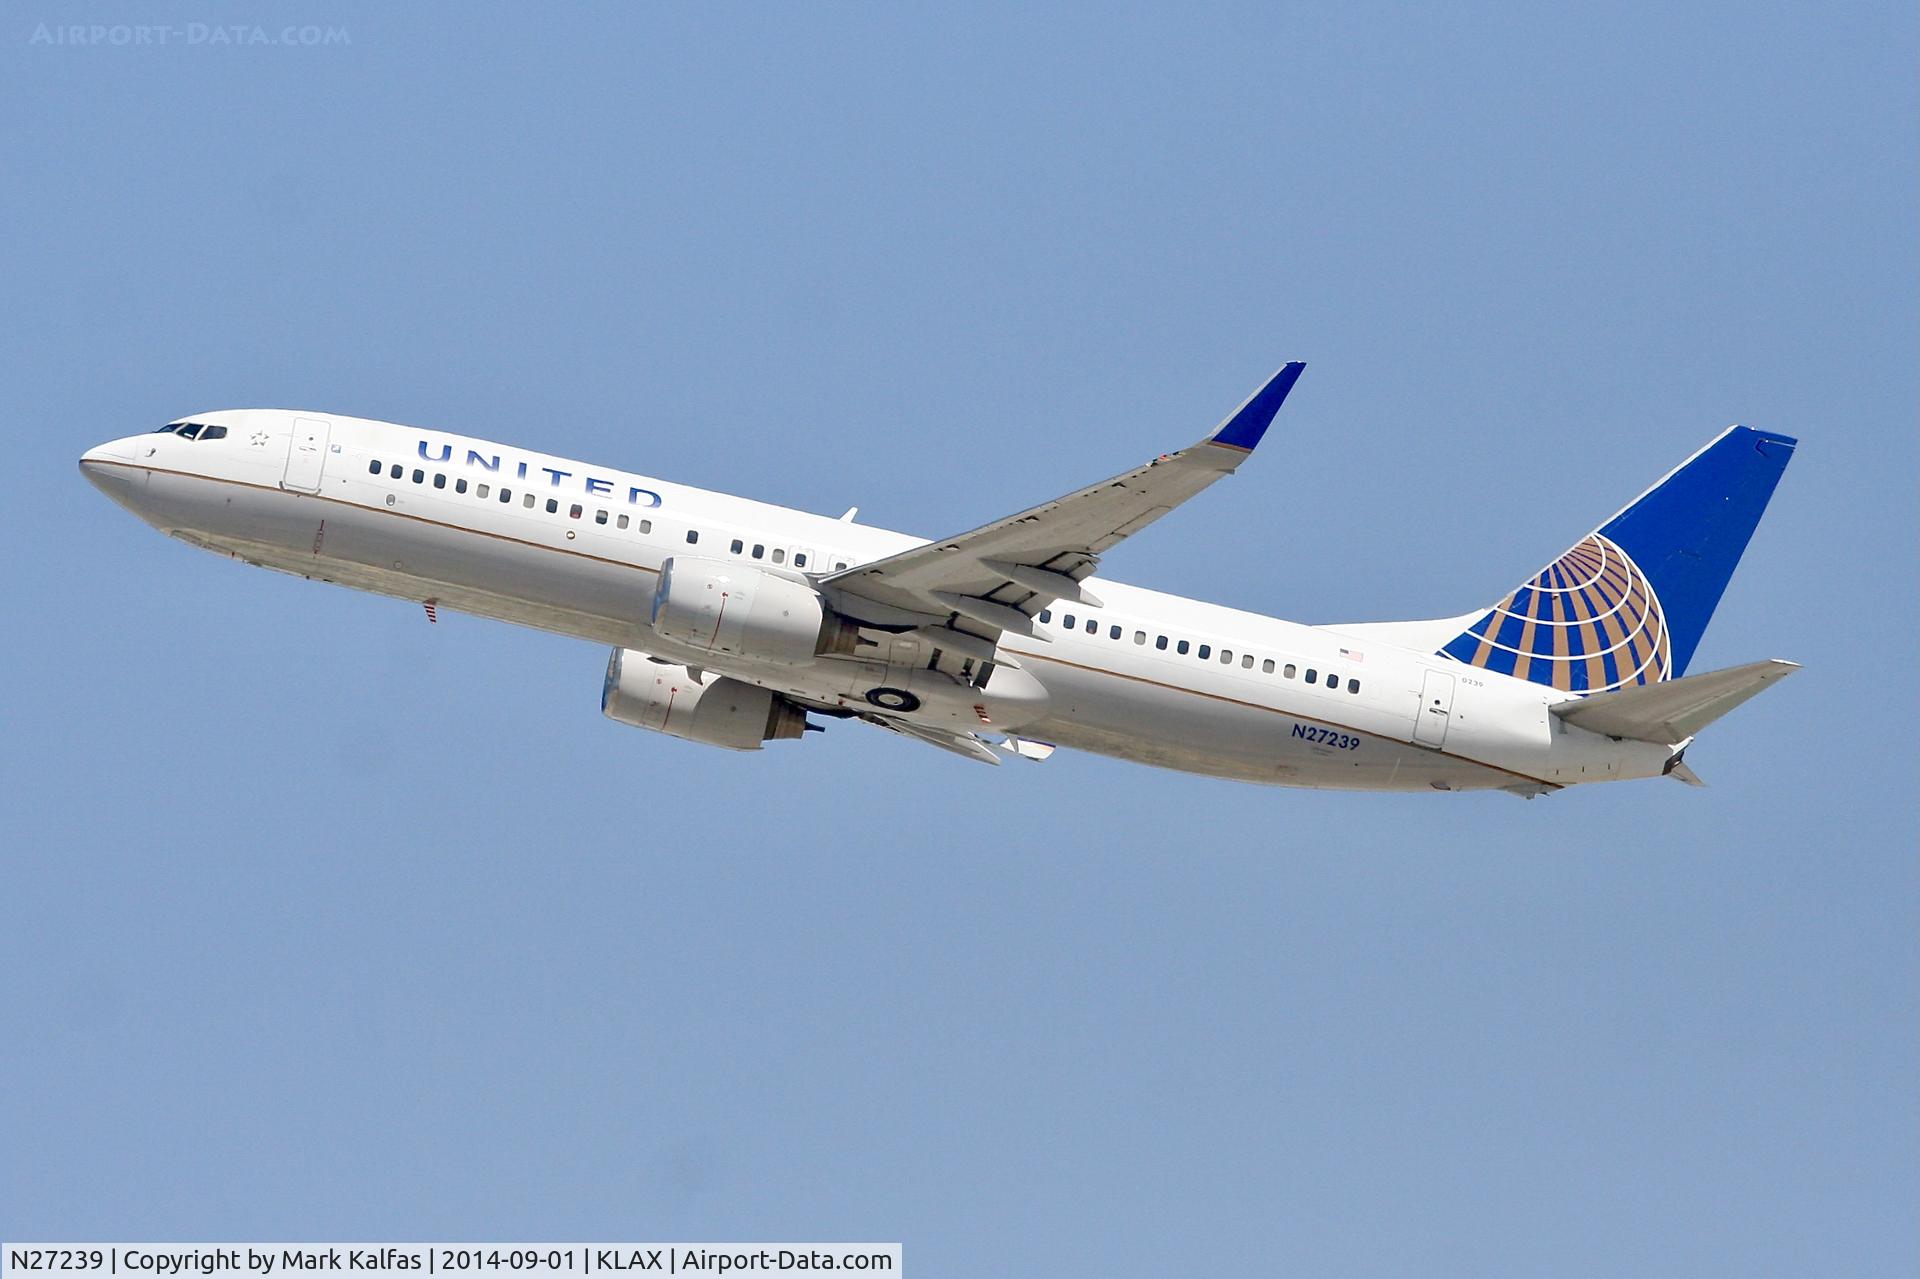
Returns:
(577,549)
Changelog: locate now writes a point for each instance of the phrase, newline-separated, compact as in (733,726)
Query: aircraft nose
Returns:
(120,450)
(109,467)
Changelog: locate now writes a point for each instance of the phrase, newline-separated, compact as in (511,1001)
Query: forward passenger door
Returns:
(306,454)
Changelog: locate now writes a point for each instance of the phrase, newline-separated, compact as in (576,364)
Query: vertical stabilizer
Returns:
(1628,603)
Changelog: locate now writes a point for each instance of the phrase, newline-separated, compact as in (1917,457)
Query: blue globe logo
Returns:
(1586,623)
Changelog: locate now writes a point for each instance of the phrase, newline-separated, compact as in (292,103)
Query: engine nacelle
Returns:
(717,607)
(705,708)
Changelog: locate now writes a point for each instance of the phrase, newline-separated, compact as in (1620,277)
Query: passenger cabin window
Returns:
(1181,648)
(600,517)
(1206,651)
(506,495)
(1226,657)
(1139,637)
(779,556)
(693,536)
(553,506)
(1246,662)
(1113,632)
(1046,615)
(1093,627)
(459,486)
(1353,686)
(1067,621)
(738,546)
(646,526)
(528,500)
(1267,666)
(1160,643)
(1291,669)
(481,490)
(439,480)
(374,469)
(419,476)
(620,522)
(1313,676)
(573,512)
(799,559)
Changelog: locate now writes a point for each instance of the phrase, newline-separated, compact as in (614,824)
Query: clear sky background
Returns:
(324,922)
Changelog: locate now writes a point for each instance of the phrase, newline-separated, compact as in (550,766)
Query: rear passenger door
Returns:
(1436,710)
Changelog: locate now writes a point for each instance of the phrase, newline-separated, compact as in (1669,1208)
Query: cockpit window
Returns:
(193,431)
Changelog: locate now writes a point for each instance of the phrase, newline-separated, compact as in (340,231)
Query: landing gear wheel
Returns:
(894,699)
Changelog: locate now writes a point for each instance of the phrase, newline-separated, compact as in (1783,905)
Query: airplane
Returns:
(735,623)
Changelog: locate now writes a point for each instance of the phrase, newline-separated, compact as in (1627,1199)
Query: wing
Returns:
(971,745)
(966,591)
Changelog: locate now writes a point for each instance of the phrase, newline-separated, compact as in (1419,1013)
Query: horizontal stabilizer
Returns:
(1679,770)
(1673,711)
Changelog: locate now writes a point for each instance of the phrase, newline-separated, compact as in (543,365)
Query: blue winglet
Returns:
(1244,429)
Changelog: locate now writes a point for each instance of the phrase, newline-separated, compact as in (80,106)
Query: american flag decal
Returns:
(1353,655)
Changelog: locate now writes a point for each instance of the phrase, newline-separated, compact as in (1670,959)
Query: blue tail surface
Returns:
(1627,604)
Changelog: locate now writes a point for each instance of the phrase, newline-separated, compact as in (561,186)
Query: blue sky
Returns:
(325,922)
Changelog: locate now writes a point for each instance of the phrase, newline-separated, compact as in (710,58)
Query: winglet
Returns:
(1250,421)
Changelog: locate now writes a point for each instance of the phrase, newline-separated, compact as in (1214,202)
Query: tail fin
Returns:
(1627,604)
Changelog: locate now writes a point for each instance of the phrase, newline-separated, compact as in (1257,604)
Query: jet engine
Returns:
(714,606)
(700,707)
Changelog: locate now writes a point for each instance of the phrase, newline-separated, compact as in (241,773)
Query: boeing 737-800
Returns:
(733,621)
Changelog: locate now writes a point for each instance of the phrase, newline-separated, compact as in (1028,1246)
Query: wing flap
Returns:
(967,744)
